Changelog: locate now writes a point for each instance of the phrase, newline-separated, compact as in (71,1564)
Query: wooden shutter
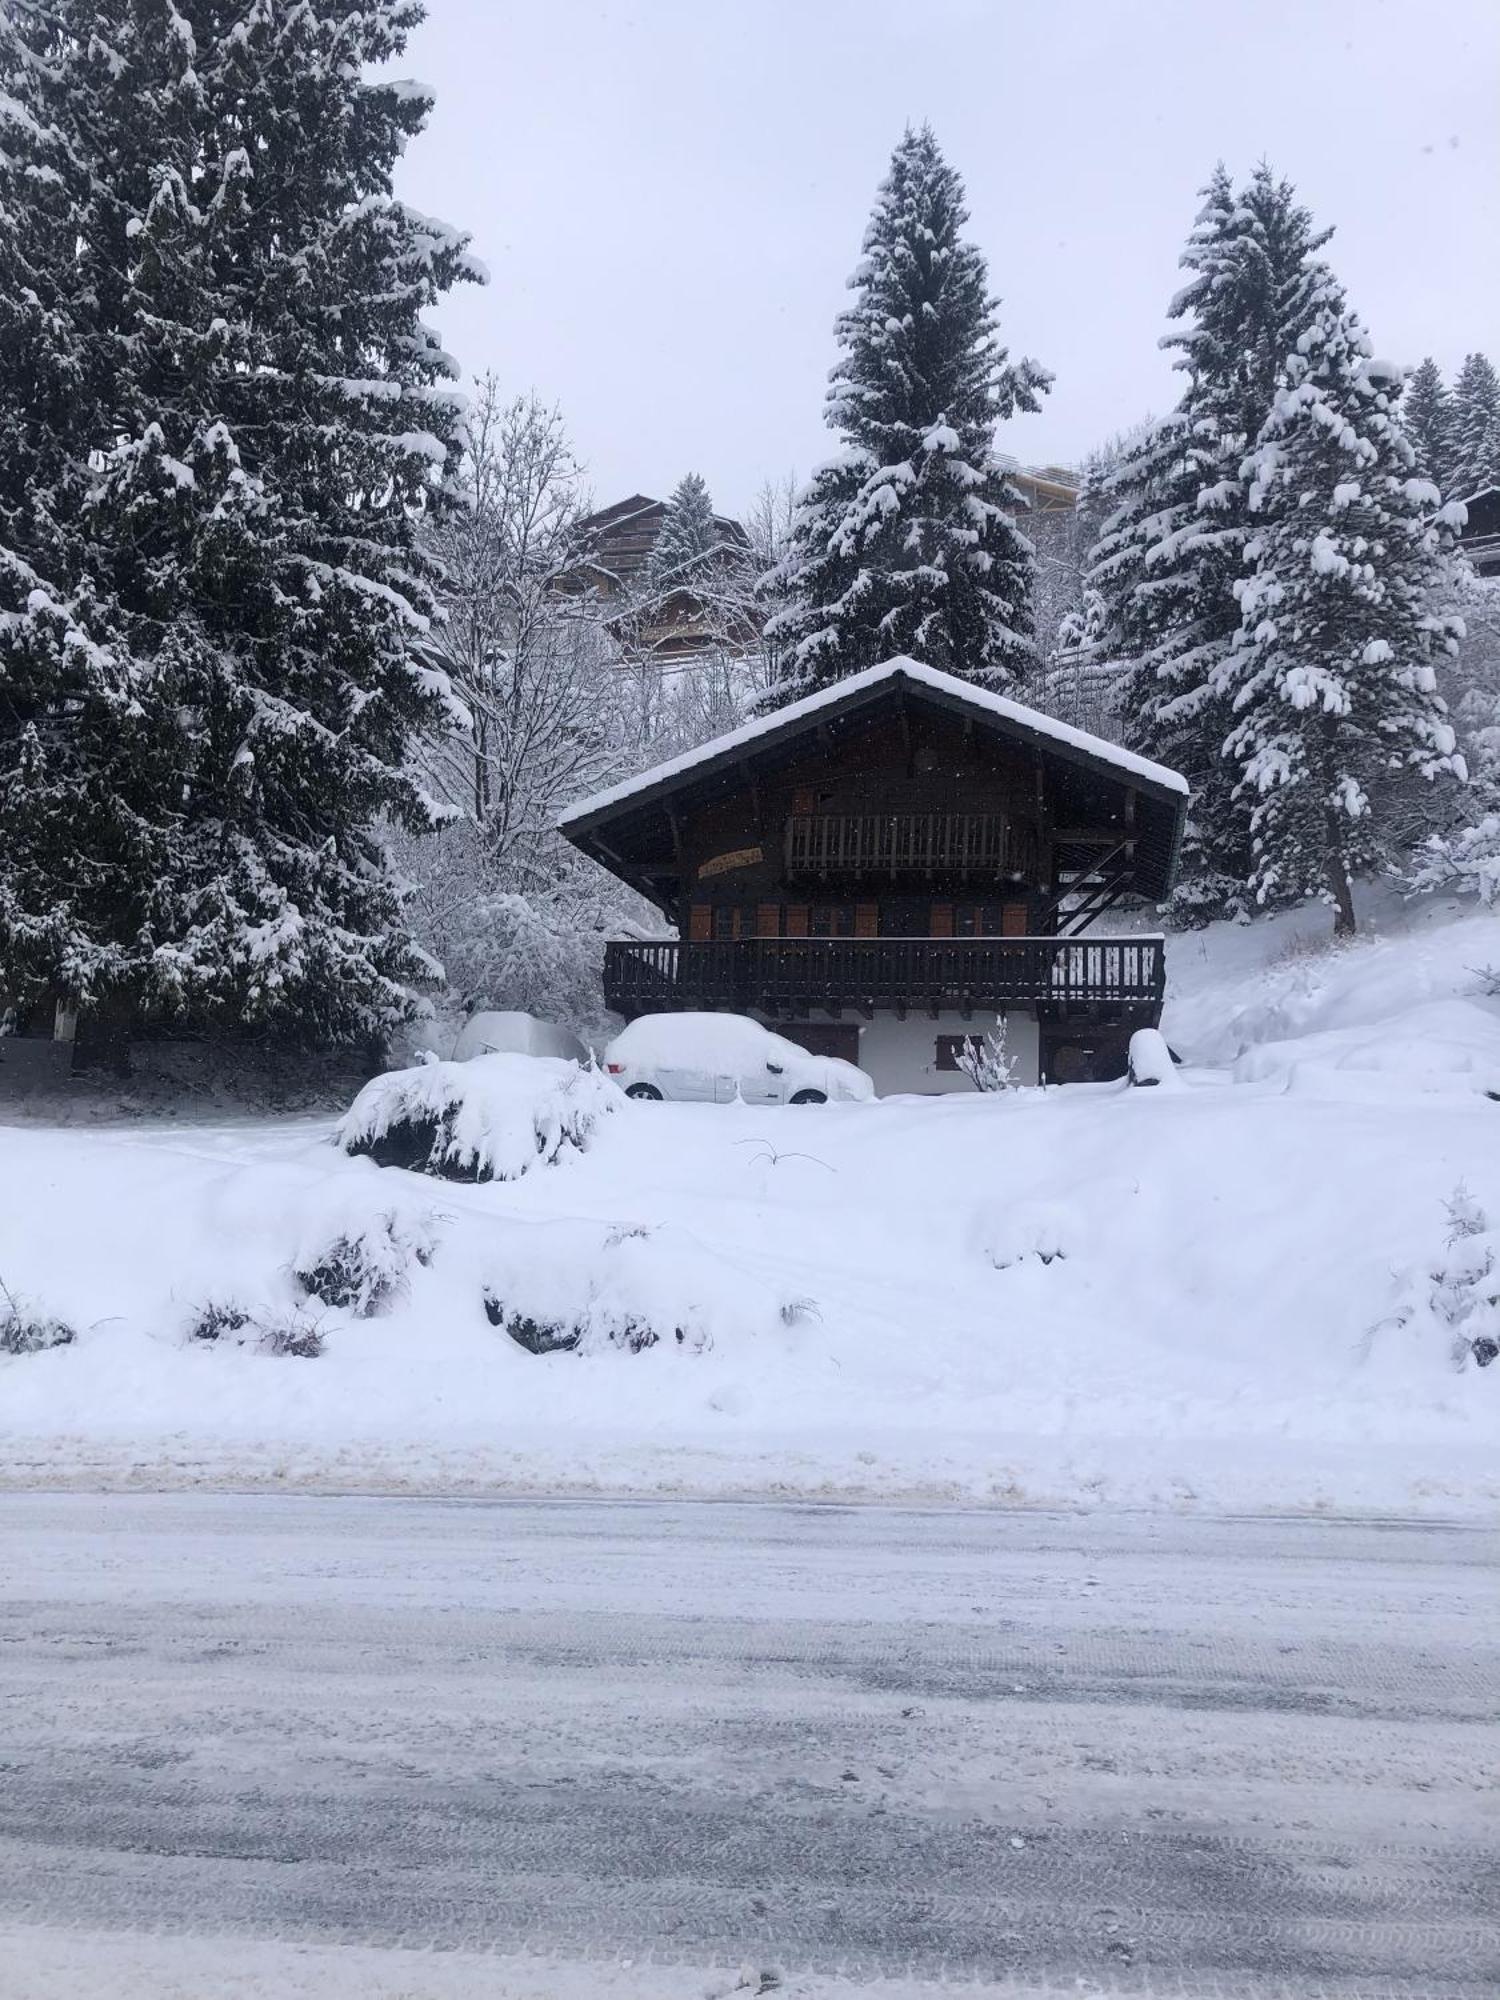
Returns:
(803,801)
(867,920)
(1013,920)
(796,920)
(700,923)
(941,920)
(768,920)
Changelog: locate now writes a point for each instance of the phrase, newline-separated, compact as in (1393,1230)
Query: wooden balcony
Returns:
(910,846)
(799,975)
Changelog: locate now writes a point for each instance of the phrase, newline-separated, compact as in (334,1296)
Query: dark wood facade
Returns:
(901,849)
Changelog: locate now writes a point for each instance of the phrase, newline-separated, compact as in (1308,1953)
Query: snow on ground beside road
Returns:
(1093,1294)
(38,1964)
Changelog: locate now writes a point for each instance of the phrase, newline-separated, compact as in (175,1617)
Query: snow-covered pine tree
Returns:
(906,542)
(1476,428)
(690,537)
(1427,418)
(1332,680)
(260,422)
(1170,552)
(88,744)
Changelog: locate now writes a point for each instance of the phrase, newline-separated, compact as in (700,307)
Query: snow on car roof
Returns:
(1000,706)
(689,1037)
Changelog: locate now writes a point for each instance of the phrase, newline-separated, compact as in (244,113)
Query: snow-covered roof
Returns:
(1027,721)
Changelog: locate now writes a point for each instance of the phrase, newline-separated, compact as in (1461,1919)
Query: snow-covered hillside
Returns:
(1219,1294)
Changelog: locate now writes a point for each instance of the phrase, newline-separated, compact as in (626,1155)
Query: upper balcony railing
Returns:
(789,975)
(991,846)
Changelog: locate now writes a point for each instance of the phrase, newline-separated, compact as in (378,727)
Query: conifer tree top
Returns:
(920,340)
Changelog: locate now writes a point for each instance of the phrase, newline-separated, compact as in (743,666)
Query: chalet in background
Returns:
(615,550)
(890,865)
(1480,540)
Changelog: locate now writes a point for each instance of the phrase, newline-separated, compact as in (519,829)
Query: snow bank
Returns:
(1219,1294)
(493,1117)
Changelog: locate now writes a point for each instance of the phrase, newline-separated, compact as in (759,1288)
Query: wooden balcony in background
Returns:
(910,846)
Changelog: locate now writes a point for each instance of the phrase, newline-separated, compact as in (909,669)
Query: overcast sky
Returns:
(670,194)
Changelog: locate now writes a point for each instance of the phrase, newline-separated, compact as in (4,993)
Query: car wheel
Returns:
(809,1097)
(644,1090)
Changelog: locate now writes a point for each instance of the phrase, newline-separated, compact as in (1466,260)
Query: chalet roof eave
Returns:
(849,696)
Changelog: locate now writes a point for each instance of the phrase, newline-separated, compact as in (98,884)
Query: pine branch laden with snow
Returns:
(905,542)
(1332,680)
(228,419)
(1171,545)
(494,1117)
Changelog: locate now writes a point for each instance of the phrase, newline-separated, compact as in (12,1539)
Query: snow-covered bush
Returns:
(218,1319)
(492,1118)
(983,1060)
(1151,1060)
(580,1287)
(291,1333)
(1021,1230)
(269,1330)
(364,1269)
(1460,1296)
(26,1329)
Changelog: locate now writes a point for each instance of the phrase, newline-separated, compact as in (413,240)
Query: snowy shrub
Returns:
(581,1287)
(268,1331)
(594,1328)
(1460,1296)
(25,1329)
(1022,1230)
(291,1333)
(492,1118)
(983,1060)
(363,1270)
(1151,1062)
(216,1320)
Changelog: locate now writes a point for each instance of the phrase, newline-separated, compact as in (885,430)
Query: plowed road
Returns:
(420,1747)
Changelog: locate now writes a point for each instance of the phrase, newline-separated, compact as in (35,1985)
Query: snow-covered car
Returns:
(490,1032)
(712,1058)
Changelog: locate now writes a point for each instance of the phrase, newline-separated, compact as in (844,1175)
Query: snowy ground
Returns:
(633,1748)
(1212,1295)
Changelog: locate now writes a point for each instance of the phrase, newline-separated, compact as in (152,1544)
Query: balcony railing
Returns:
(788,975)
(895,845)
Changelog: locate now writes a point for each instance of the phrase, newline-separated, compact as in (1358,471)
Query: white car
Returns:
(490,1033)
(711,1058)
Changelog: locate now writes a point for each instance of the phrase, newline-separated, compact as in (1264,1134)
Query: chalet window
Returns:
(831,920)
(990,920)
(726,923)
(950,1047)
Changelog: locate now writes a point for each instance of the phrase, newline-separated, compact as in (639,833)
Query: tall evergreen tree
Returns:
(1171,551)
(1476,428)
(207,707)
(1332,680)
(1427,418)
(906,542)
(690,536)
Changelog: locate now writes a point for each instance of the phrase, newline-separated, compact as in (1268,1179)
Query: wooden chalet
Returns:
(1480,540)
(615,547)
(886,867)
